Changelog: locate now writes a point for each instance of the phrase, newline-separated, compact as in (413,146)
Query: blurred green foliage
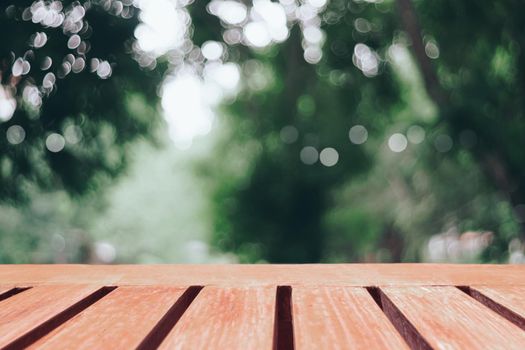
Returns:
(102,106)
(444,77)
(375,205)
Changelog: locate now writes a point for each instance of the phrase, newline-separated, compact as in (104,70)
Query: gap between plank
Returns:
(410,334)
(57,320)
(494,306)
(283,338)
(170,319)
(11,292)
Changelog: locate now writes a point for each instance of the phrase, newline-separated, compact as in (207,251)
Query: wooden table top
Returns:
(342,306)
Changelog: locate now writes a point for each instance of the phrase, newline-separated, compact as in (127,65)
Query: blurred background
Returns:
(290,131)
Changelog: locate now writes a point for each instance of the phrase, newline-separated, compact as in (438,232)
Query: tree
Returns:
(491,91)
(470,67)
(71,91)
(348,140)
(273,209)
(480,92)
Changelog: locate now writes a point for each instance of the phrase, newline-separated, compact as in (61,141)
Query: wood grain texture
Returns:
(507,301)
(4,289)
(226,318)
(255,275)
(449,319)
(7,292)
(341,318)
(262,306)
(123,319)
(24,311)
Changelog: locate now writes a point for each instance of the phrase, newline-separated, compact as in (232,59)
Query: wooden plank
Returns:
(4,289)
(507,301)
(6,292)
(251,275)
(25,311)
(123,319)
(226,318)
(447,318)
(341,318)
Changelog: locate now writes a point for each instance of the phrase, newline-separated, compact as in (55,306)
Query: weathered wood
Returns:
(4,289)
(253,275)
(507,301)
(226,318)
(447,318)
(262,306)
(122,319)
(32,308)
(336,317)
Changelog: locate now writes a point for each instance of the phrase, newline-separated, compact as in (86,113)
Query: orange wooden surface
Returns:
(510,297)
(23,311)
(226,318)
(4,289)
(282,307)
(507,301)
(449,319)
(247,275)
(123,319)
(334,317)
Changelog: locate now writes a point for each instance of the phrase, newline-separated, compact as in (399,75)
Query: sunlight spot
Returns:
(55,142)
(186,109)
(73,134)
(7,104)
(268,24)
(46,63)
(309,155)
(163,26)
(18,67)
(329,157)
(397,142)
(39,40)
(78,65)
(104,69)
(289,134)
(226,76)
(212,50)
(416,134)
(15,134)
(362,25)
(257,35)
(432,50)
(366,60)
(231,12)
(313,34)
(105,252)
(73,42)
(358,134)
(32,96)
(232,36)
(313,54)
